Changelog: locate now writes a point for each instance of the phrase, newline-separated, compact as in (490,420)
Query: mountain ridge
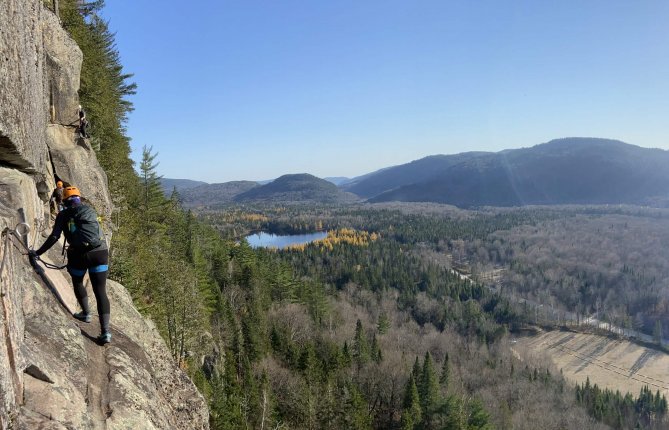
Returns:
(571,170)
(561,171)
(218,193)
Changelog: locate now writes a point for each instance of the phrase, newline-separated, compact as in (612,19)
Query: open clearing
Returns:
(615,364)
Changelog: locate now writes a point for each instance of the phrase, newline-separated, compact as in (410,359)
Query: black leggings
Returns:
(95,262)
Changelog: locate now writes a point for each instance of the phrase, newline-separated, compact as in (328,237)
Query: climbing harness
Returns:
(49,265)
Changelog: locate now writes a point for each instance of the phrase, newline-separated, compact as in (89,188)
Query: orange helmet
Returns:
(71,192)
(59,184)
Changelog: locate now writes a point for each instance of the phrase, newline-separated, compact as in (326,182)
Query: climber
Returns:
(57,197)
(87,251)
(83,123)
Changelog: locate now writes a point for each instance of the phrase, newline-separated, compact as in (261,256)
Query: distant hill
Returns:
(389,178)
(180,184)
(212,194)
(337,180)
(571,170)
(297,188)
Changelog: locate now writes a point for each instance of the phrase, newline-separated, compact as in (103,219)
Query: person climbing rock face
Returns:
(83,122)
(57,197)
(87,251)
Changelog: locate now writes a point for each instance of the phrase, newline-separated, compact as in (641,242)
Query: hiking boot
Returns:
(104,338)
(81,316)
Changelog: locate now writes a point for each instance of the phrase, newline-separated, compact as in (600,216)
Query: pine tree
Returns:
(152,198)
(308,364)
(411,409)
(346,355)
(445,373)
(377,355)
(417,372)
(428,391)
(360,345)
(226,409)
(356,410)
(383,324)
(456,416)
(103,92)
(478,416)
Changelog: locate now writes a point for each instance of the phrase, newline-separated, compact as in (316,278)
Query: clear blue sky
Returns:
(249,89)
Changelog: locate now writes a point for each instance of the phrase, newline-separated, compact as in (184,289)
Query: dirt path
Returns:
(615,364)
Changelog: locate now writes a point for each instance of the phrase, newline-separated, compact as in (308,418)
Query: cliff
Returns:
(52,372)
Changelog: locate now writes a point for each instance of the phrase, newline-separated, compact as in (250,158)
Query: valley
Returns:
(440,276)
(309,275)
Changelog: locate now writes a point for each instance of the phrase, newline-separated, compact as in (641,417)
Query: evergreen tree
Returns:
(152,198)
(377,355)
(360,345)
(346,355)
(417,372)
(411,409)
(226,409)
(383,324)
(103,93)
(445,373)
(456,413)
(429,392)
(478,417)
(357,415)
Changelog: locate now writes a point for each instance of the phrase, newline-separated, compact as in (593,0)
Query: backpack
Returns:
(83,230)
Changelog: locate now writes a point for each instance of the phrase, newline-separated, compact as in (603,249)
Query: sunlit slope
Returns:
(609,363)
(573,170)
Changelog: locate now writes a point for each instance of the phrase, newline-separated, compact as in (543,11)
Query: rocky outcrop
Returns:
(63,66)
(53,375)
(130,384)
(145,367)
(76,163)
(24,101)
(17,190)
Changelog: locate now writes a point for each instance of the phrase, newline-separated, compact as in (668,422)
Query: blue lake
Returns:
(269,240)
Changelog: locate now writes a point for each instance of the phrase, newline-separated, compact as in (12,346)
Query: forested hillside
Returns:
(611,262)
(214,194)
(402,280)
(562,171)
(417,171)
(356,334)
(180,185)
(296,188)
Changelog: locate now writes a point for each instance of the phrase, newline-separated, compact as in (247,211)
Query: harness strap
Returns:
(51,266)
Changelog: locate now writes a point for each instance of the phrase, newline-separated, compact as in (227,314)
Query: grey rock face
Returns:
(75,162)
(63,65)
(142,365)
(53,374)
(23,106)
(16,191)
